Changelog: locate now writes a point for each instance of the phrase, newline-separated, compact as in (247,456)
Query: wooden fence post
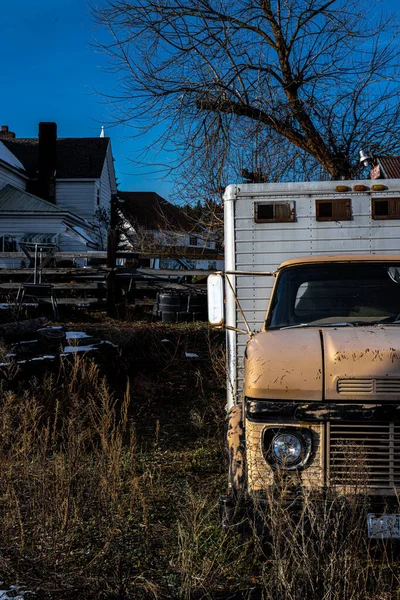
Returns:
(111,276)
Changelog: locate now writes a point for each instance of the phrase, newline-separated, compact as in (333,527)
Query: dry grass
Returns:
(113,493)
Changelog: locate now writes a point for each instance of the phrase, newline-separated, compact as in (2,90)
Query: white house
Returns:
(151,223)
(55,190)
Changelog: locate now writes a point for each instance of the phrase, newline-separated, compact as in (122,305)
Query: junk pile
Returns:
(33,341)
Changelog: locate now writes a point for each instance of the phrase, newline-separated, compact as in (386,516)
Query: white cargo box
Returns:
(266,224)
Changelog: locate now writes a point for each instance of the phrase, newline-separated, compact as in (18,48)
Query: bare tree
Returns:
(319,75)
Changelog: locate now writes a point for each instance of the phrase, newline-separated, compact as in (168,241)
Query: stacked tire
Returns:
(175,307)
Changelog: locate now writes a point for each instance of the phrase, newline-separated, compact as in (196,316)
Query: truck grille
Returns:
(364,455)
(384,385)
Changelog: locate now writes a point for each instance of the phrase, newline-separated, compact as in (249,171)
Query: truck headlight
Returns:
(287,448)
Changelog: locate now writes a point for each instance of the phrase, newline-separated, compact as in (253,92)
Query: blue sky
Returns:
(49,72)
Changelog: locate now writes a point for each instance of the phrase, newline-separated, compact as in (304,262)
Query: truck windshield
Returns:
(336,294)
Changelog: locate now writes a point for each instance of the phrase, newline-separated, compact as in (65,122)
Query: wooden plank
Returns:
(59,255)
(168,272)
(171,253)
(100,285)
(123,272)
(80,301)
(60,271)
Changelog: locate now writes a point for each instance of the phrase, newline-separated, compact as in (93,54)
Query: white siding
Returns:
(78,197)
(69,243)
(17,227)
(105,188)
(7,176)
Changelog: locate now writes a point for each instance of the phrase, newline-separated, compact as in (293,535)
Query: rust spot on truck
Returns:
(235,442)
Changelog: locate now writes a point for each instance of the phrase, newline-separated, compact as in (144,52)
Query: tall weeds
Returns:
(69,490)
(112,495)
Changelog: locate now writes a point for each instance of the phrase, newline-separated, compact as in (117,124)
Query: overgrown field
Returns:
(110,481)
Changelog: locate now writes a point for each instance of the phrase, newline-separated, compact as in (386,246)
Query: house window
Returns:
(8,244)
(98,195)
(192,241)
(333,210)
(274,212)
(388,208)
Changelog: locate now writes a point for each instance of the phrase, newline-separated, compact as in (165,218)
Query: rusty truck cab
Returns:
(321,401)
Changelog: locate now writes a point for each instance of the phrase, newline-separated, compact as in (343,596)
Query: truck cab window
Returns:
(327,294)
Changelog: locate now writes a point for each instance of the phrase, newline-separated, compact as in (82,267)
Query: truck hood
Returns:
(362,362)
(284,364)
(336,364)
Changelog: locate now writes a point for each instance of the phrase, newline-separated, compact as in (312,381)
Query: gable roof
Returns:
(8,157)
(15,200)
(150,211)
(77,158)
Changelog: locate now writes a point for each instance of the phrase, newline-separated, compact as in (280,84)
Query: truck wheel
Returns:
(235,447)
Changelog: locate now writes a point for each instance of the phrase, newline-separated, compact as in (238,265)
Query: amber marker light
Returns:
(343,188)
(378,187)
(360,188)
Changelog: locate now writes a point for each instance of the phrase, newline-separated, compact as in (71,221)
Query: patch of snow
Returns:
(14,593)
(8,305)
(76,335)
(191,355)
(68,349)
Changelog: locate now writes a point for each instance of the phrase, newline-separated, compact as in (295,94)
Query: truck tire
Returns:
(231,505)
(236,447)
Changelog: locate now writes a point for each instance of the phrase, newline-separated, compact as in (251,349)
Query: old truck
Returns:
(310,299)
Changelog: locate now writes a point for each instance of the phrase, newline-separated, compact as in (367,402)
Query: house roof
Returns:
(77,158)
(15,200)
(9,157)
(389,167)
(150,211)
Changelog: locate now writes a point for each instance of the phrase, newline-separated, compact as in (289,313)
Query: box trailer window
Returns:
(333,210)
(274,212)
(385,208)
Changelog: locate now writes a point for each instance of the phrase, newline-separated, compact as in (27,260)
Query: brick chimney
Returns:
(47,161)
(5,134)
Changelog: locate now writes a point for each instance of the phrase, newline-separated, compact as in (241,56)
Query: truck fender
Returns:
(235,446)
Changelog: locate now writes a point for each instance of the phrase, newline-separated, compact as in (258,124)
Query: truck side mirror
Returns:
(215,299)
